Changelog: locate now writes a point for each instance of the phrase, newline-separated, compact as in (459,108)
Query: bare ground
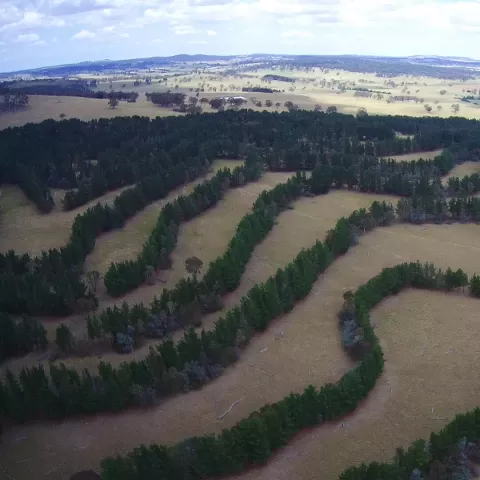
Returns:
(311,348)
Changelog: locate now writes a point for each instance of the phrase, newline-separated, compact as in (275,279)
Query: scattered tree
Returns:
(113,102)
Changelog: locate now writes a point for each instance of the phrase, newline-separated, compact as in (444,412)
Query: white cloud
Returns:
(84,35)
(27,38)
(184,30)
(385,27)
(298,34)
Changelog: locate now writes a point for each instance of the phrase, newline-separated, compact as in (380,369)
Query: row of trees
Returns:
(196,359)
(60,153)
(251,441)
(51,283)
(18,337)
(124,276)
(134,161)
(439,209)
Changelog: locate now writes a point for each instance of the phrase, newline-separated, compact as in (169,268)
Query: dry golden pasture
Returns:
(307,92)
(431,357)
(465,168)
(25,230)
(43,107)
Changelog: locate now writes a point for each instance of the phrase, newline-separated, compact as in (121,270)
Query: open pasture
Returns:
(316,87)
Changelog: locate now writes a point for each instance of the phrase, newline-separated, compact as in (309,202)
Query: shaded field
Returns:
(408,157)
(25,230)
(465,168)
(309,351)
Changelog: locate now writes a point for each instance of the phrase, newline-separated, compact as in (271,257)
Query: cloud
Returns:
(84,35)
(385,27)
(184,30)
(73,7)
(297,34)
(27,38)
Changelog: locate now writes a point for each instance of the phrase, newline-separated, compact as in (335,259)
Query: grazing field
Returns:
(465,168)
(27,231)
(316,87)
(307,341)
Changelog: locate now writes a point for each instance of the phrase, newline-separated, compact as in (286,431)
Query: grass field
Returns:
(310,89)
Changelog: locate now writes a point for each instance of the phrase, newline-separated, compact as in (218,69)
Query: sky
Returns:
(50,32)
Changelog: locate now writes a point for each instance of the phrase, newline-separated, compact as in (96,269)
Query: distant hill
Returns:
(417,65)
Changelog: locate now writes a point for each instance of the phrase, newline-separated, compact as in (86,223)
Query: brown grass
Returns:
(25,230)
(43,107)
(310,347)
(466,168)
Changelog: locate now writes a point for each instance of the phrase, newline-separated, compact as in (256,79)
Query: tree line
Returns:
(196,359)
(60,154)
(62,88)
(51,283)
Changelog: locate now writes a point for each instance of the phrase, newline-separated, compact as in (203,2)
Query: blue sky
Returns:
(49,32)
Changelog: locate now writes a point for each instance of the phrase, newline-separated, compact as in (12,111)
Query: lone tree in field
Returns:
(113,102)
(64,338)
(193,265)
(455,108)
(362,112)
(427,108)
(443,92)
(92,280)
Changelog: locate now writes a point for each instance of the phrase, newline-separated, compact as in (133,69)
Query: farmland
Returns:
(262,218)
(347,91)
